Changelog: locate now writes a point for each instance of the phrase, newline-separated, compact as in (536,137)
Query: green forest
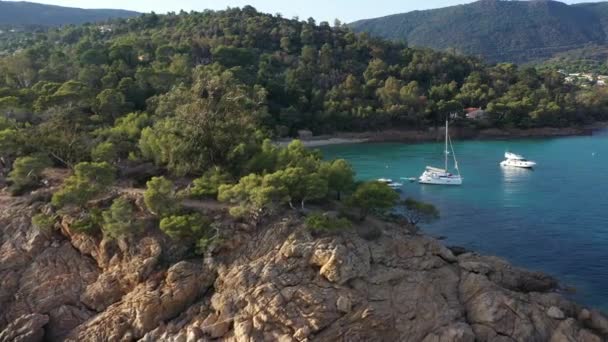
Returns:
(25,14)
(200,95)
(498,30)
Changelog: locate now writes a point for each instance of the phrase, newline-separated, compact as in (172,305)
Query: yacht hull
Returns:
(519,164)
(437,179)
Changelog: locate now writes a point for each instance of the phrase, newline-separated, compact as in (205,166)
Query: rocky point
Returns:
(271,281)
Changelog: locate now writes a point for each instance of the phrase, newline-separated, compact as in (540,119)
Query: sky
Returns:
(321,10)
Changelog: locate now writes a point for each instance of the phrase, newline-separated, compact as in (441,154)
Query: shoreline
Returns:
(430,135)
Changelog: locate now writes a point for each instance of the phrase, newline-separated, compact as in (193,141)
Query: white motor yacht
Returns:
(516,160)
(437,176)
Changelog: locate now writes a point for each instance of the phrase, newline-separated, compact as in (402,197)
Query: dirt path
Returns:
(205,204)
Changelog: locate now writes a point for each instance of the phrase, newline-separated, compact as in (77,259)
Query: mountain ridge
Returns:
(24,13)
(498,31)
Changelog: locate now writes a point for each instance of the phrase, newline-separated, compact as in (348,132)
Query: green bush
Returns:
(254,194)
(185,226)
(88,181)
(89,222)
(340,176)
(160,197)
(27,172)
(210,239)
(105,151)
(319,222)
(420,212)
(372,196)
(43,221)
(208,185)
(119,219)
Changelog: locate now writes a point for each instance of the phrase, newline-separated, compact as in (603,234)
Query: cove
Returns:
(552,219)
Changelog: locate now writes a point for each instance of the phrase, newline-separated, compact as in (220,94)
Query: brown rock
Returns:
(27,328)
(125,266)
(216,326)
(555,313)
(148,305)
(598,322)
(65,318)
(344,304)
(278,283)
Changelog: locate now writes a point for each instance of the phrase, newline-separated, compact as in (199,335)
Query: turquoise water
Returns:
(552,219)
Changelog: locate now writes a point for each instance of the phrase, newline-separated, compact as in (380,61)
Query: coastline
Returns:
(420,136)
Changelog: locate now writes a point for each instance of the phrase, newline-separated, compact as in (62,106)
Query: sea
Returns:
(552,219)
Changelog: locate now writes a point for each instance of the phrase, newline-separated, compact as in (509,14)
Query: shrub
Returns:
(319,222)
(254,194)
(88,181)
(340,176)
(27,171)
(420,212)
(119,219)
(210,239)
(160,197)
(372,196)
(185,226)
(105,151)
(239,211)
(89,222)
(208,185)
(44,222)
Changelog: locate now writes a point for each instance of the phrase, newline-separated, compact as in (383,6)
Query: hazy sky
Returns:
(345,10)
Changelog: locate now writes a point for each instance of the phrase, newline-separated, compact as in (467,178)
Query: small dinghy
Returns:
(393,185)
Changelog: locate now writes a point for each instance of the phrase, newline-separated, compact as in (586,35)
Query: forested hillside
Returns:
(20,14)
(142,196)
(190,91)
(497,30)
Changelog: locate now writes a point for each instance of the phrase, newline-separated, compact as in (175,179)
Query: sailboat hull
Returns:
(435,178)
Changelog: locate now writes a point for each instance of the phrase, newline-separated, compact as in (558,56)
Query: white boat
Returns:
(437,176)
(516,160)
(393,185)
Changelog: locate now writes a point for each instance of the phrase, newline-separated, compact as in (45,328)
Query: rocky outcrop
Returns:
(25,328)
(273,282)
(41,277)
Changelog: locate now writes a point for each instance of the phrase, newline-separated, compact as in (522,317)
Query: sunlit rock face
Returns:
(273,281)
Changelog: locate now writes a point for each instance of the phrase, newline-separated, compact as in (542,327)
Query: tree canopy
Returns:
(373,196)
(192,91)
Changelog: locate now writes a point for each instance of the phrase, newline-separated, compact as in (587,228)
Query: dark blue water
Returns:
(552,219)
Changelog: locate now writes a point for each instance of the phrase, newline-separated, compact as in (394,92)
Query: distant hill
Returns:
(516,31)
(29,13)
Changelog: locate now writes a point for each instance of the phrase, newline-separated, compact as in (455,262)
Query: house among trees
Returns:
(474,113)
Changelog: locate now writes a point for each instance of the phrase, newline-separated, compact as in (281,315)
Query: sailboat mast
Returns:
(446,144)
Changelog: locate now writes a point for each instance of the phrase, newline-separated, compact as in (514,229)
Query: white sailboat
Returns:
(437,176)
